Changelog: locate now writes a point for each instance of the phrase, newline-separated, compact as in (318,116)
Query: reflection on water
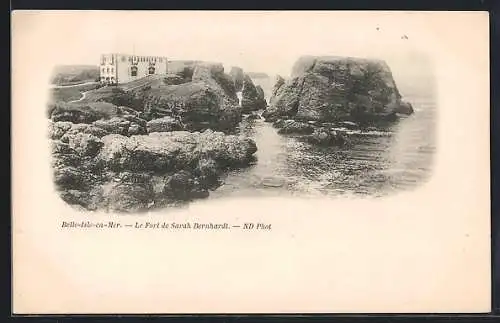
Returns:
(378,163)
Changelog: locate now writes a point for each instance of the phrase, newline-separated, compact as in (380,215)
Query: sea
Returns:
(381,162)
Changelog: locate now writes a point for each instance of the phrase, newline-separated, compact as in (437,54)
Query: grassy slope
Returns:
(74,74)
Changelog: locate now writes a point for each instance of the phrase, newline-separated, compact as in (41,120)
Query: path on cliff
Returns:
(81,98)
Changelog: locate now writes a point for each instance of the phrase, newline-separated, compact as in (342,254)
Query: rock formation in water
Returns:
(330,89)
(101,168)
(252,98)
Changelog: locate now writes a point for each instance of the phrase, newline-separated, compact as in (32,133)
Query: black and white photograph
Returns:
(138,125)
(169,162)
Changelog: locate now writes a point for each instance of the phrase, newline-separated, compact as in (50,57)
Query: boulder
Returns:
(58,129)
(336,89)
(294,127)
(84,128)
(136,129)
(326,137)
(164,124)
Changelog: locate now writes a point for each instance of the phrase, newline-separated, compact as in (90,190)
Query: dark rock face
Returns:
(114,125)
(336,89)
(253,116)
(237,75)
(252,98)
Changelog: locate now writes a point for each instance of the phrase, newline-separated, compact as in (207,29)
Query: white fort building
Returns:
(122,68)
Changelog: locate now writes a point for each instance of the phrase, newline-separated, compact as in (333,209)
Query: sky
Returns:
(263,41)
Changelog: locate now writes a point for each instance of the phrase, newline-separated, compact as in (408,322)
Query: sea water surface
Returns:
(378,163)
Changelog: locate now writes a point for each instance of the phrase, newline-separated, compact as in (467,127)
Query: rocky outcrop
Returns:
(280,81)
(209,101)
(293,127)
(237,75)
(337,89)
(95,168)
(327,137)
(252,98)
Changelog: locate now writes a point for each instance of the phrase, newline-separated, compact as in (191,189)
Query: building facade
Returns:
(122,68)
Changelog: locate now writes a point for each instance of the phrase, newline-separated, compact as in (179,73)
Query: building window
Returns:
(112,70)
(133,71)
(107,70)
(123,58)
(151,70)
(103,70)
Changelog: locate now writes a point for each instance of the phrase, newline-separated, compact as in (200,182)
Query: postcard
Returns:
(250,162)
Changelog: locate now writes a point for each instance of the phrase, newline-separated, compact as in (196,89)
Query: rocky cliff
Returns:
(330,89)
(207,101)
